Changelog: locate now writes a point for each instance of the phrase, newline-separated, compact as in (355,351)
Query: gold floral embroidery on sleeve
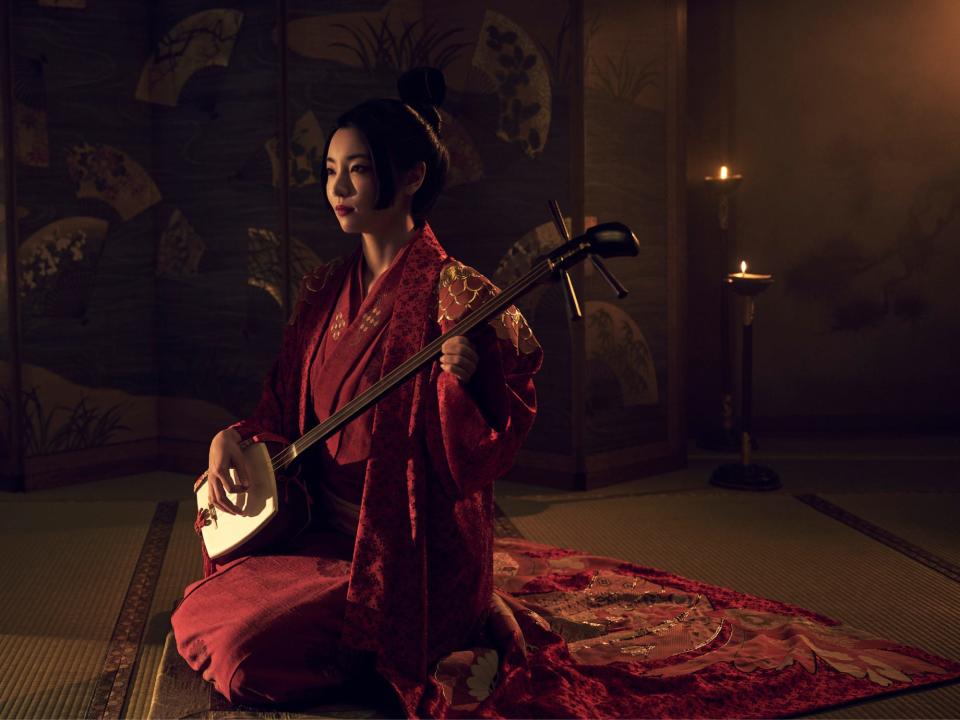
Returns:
(460,286)
(460,289)
(513,327)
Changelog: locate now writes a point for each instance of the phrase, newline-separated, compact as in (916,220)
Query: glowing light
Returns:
(723,172)
(743,266)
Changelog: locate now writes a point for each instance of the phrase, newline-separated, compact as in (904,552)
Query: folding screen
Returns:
(165,240)
(82,269)
(633,169)
(11,462)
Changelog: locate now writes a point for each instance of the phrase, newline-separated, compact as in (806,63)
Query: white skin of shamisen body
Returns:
(352,193)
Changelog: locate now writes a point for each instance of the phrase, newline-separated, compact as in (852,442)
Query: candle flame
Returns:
(723,172)
(743,266)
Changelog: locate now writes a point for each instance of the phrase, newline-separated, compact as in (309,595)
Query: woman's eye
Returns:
(359,168)
(330,172)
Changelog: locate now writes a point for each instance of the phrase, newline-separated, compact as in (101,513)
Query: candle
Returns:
(725,178)
(744,275)
(745,283)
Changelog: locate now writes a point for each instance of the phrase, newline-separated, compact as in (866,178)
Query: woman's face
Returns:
(352,183)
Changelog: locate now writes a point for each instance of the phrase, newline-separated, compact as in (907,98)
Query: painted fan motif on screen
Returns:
(264,266)
(205,39)
(108,174)
(180,249)
(511,59)
(614,340)
(306,148)
(57,265)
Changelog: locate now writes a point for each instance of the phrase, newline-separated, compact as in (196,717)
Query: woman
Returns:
(396,571)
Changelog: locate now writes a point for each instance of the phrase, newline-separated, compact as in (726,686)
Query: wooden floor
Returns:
(887,571)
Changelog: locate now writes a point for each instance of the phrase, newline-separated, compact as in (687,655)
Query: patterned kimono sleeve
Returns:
(271,419)
(475,429)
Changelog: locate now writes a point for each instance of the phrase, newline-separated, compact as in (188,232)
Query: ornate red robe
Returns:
(416,583)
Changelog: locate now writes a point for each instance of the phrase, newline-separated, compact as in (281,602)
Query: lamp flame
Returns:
(723,172)
(743,266)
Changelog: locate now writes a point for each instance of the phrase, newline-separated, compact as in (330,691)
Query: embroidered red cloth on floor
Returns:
(607,638)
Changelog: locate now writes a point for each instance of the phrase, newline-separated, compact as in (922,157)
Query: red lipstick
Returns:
(342,210)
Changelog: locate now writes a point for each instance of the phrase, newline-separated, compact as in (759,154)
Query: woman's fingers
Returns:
(460,345)
(225,454)
(458,371)
(459,358)
(242,469)
(458,367)
(217,488)
(231,480)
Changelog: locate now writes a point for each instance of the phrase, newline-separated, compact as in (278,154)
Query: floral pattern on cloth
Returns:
(467,677)
(661,628)
(768,641)
(462,289)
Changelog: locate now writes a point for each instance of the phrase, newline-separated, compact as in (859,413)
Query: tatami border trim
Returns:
(111,689)
(502,525)
(905,547)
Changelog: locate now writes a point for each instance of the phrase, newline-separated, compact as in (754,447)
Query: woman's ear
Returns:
(414,177)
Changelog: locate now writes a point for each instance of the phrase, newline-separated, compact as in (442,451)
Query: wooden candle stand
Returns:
(746,475)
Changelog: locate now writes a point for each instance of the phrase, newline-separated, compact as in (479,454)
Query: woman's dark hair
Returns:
(401,133)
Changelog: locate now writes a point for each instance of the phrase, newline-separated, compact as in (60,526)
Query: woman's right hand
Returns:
(225,453)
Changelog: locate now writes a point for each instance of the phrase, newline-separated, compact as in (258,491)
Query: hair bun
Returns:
(424,89)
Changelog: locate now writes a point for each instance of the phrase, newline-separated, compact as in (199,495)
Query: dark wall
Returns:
(841,117)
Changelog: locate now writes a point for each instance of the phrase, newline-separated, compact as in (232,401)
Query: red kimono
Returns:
(415,582)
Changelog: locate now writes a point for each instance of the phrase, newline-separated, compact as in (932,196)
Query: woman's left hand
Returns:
(459,357)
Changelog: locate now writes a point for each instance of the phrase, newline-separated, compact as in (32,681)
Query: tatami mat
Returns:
(846,474)
(181,566)
(147,487)
(64,575)
(930,521)
(72,552)
(933,703)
